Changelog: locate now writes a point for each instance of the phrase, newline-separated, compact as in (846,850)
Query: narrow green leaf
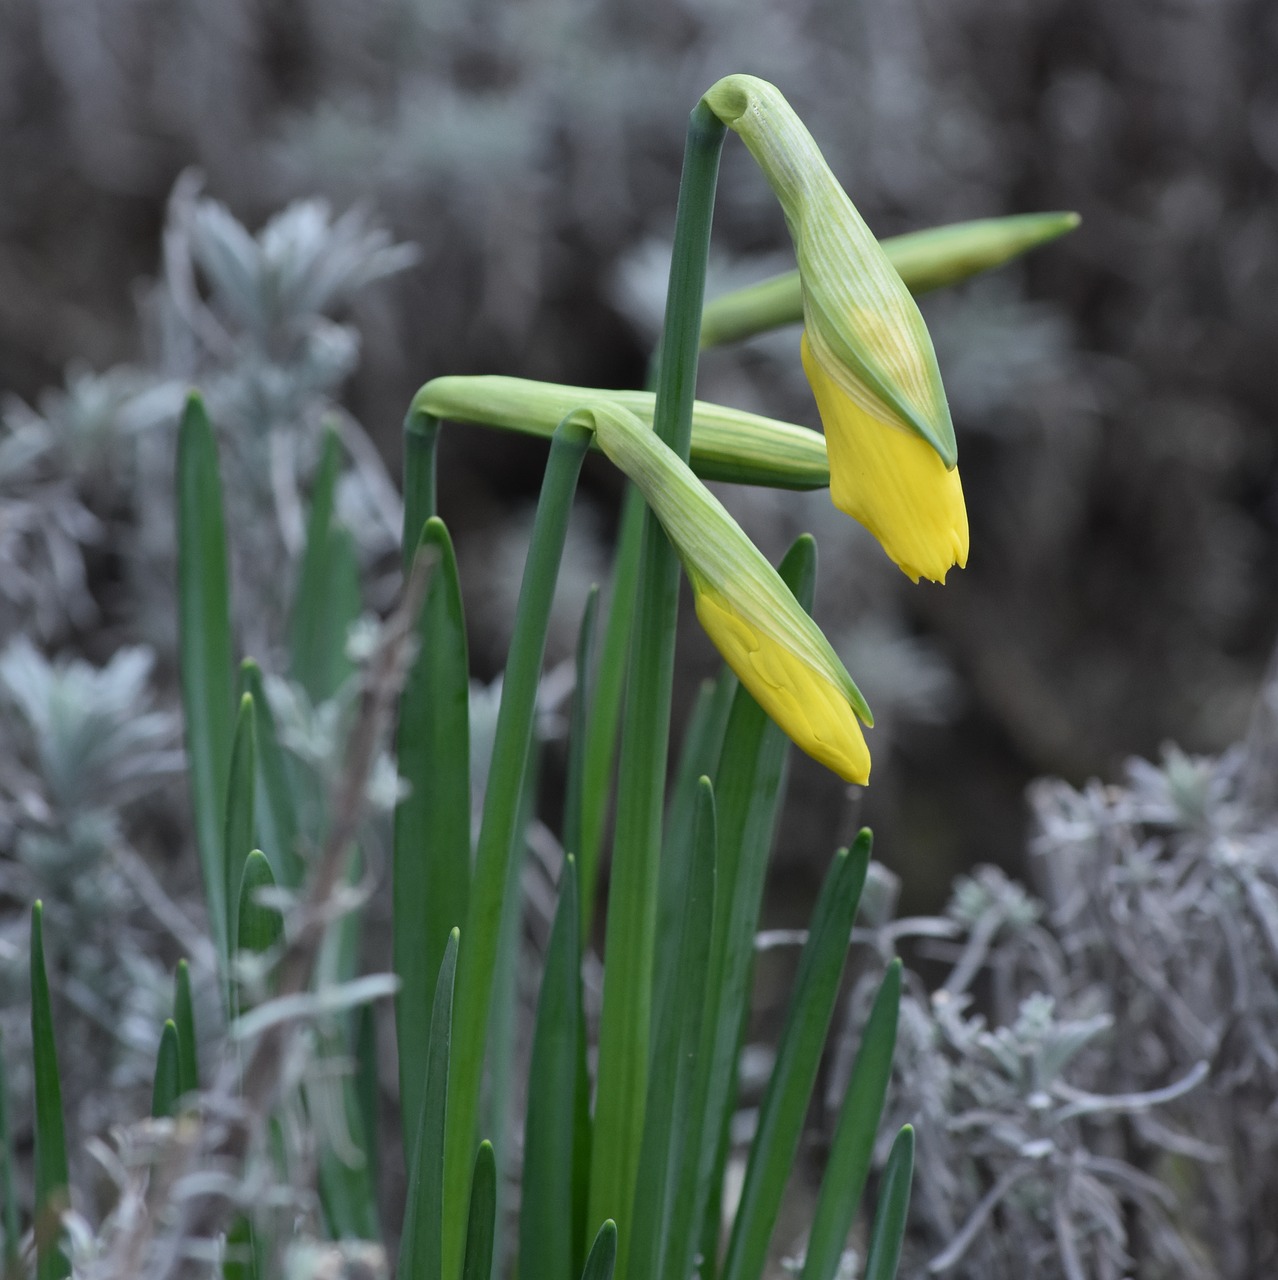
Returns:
(8,1197)
(275,811)
(603,1254)
(546,1214)
(204,636)
(240,1260)
(482,1217)
(669,1153)
(421,1241)
(853,1145)
(184,1021)
(260,926)
(884,1254)
(347,1195)
(749,791)
(499,832)
(421,438)
(327,599)
(166,1089)
(431,855)
(605,703)
(575,780)
(241,786)
(51,1175)
(367,1090)
(785,1102)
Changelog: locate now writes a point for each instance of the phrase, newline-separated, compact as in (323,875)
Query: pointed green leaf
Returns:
(184,1021)
(853,1145)
(603,1254)
(166,1089)
(499,831)
(785,1103)
(327,600)
(8,1197)
(884,1254)
(546,1213)
(431,857)
(421,1241)
(575,780)
(51,1175)
(482,1217)
(240,1261)
(204,634)
(242,784)
(275,810)
(260,926)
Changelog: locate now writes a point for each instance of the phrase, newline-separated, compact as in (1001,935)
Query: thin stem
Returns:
(421,434)
(626,1019)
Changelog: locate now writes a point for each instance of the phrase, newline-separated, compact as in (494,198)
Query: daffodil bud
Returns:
(867,351)
(777,651)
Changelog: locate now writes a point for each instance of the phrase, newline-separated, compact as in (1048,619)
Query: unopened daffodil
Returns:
(866,350)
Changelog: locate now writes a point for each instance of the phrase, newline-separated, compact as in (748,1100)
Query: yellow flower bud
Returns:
(777,651)
(867,351)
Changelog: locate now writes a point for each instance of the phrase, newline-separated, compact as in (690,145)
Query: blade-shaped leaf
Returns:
(421,1242)
(785,1103)
(853,1145)
(603,1253)
(275,809)
(184,1022)
(8,1198)
(166,1089)
(431,857)
(884,1254)
(575,779)
(204,630)
(546,1214)
(481,1220)
(241,787)
(260,926)
(51,1175)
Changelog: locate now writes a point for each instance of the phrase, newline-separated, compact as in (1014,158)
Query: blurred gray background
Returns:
(1114,395)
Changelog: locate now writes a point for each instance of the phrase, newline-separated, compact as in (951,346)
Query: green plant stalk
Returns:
(625,1024)
(498,831)
(8,1197)
(184,1021)
(785,1102)
(575,779)
(925,260)
(605,703)
(431,848)
(421,440)
(52,1178)
(204,642)
(853,1146)
(884,1253)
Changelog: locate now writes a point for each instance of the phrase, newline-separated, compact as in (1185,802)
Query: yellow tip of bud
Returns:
(810,709)
(891,481)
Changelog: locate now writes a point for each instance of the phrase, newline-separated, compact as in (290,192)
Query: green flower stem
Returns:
(925,260)
(498,835)
(627,999)
(421,434)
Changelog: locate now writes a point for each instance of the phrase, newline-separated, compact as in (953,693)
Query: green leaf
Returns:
(785,1103)
(327,599)
(421,1242)
(546,1214)
(603,1254)
(166,1090)
(482,1217)
(605,704)
(431,856)
(52,1179)
(367,1090)
(8,1198)
(204,641)
(663,1217)
(184,1021)
(853,1145)
(275,811)
(575,780)
(260,926)
(500,831)
(240,1262)
(884,1254)
(749,790)
(238,839)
